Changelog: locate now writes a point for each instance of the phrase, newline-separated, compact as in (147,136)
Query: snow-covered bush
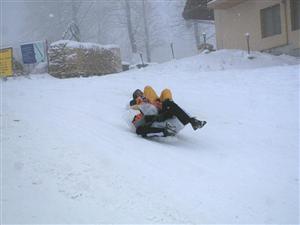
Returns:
(73,59)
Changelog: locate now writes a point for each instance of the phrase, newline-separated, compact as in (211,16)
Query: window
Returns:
(295,14)
(270,21)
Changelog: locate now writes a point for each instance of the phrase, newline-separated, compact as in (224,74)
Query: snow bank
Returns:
(228,60)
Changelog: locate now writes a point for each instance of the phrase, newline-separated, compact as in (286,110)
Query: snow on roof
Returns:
(86,45)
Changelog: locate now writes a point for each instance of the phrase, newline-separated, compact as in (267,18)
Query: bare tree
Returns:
(129,27)
(147,41)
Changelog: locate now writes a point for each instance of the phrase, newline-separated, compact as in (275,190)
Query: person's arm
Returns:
(135,107)
(132,102)
(135,103)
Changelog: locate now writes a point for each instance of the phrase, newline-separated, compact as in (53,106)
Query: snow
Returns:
(229,60)
(68,156)
(85,45)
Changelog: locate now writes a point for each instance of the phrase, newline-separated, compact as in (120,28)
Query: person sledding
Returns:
(159,116)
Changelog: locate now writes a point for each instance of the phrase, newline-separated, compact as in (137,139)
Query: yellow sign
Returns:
(6,62)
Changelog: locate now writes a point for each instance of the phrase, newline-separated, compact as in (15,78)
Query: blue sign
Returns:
(28,54)
(34,53)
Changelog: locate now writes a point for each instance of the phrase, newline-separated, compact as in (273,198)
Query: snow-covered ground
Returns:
(68,155)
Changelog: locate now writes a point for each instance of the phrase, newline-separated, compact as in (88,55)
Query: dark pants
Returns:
(170,109)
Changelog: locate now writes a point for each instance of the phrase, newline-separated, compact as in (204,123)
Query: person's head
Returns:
(137,93)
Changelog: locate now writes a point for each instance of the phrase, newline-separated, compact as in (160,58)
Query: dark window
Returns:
(270,21)
(295,14)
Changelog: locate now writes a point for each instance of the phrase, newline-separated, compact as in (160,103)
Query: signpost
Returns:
(6,62)
(28,54)
(33,52)
(39,50)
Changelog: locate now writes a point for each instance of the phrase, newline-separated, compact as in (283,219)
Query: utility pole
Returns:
(129,27)
(75,26)
(147,45)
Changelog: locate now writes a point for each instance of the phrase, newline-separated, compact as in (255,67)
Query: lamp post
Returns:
(204,39)
(247,35)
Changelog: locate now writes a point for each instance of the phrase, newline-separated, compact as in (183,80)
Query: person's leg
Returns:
(170,108)
(166,94)
(150,94)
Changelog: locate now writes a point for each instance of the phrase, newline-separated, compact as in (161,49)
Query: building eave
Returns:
(197,10)
(223,4)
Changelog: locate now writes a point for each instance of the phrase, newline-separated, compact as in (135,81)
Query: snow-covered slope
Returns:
(68,156)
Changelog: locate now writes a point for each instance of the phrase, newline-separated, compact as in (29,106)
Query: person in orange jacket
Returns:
(156,110)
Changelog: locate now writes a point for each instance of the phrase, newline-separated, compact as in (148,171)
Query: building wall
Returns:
(293,36)
(233,23)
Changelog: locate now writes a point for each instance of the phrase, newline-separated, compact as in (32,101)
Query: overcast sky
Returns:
(12,17)
(15,30)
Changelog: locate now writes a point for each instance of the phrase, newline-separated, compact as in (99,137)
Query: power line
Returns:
(82,18)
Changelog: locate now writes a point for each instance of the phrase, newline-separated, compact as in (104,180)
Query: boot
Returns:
(196,124)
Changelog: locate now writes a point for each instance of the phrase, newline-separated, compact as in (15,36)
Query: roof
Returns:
(223,4)
(197,10)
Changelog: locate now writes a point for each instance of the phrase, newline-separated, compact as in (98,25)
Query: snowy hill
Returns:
(68,156)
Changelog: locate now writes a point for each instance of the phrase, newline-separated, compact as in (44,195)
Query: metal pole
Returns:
(47,55)
(248,42)
(141,55)
(172,50)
